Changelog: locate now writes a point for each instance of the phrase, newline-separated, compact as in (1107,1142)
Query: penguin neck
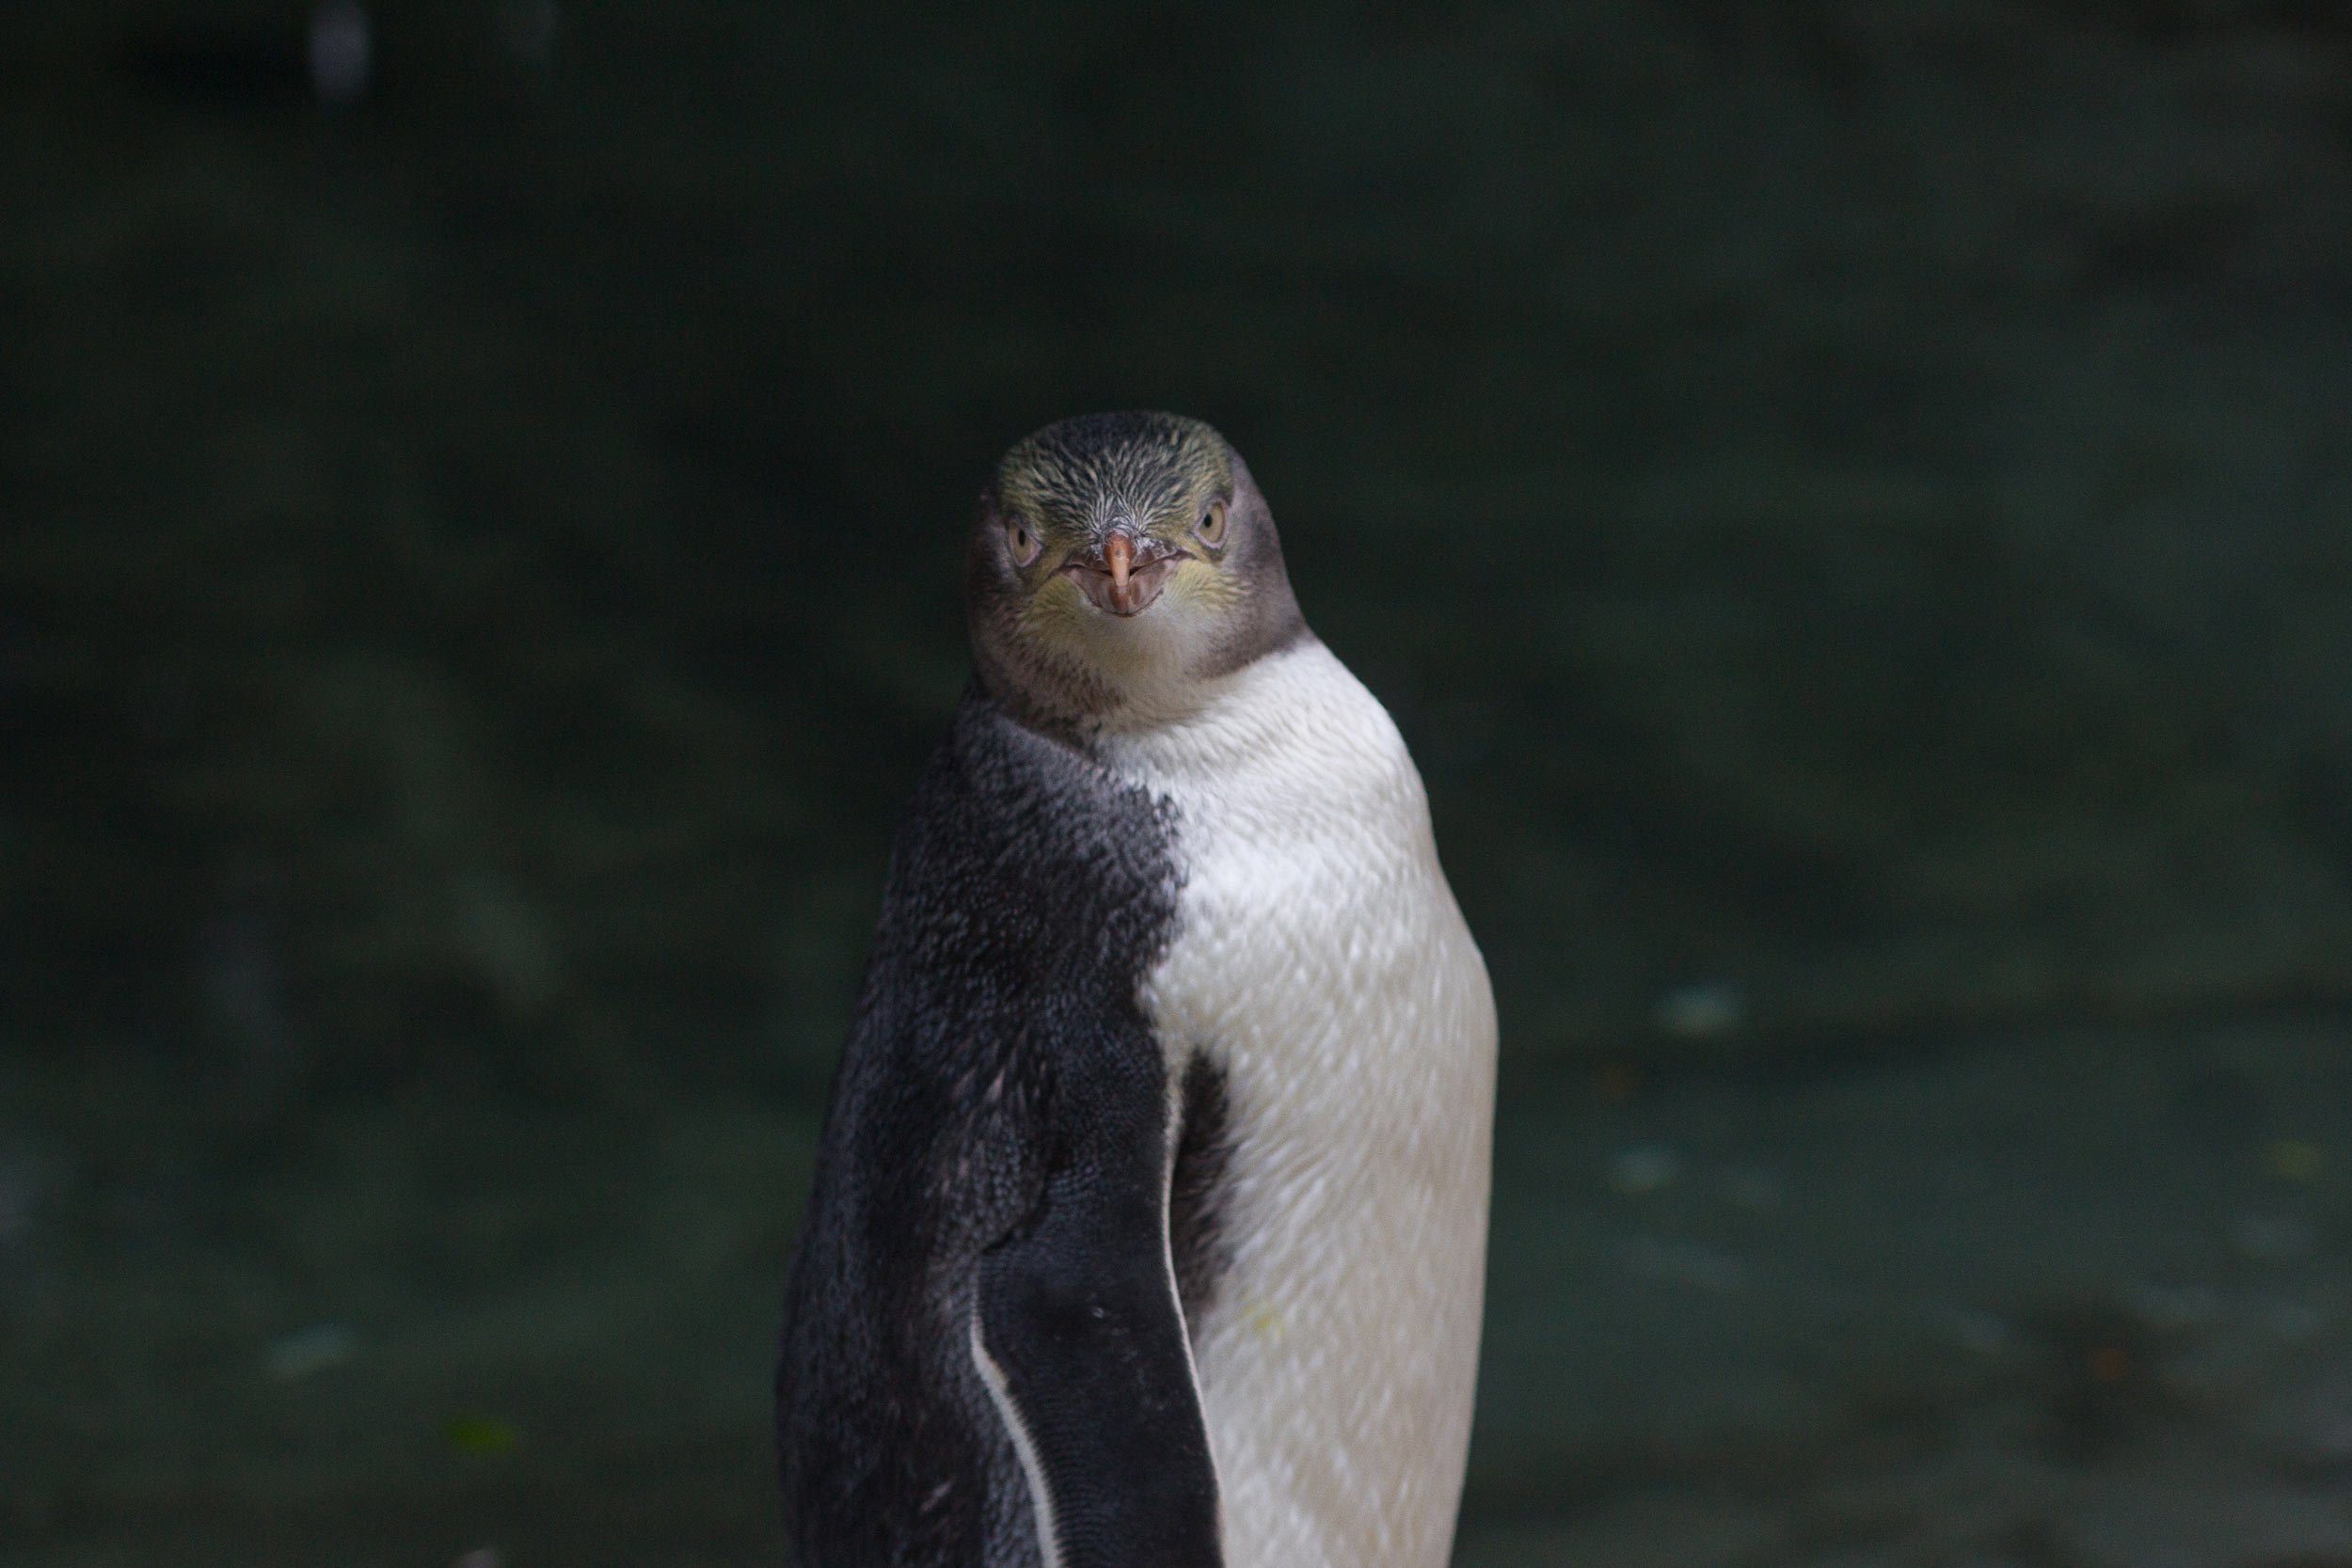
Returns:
(1292,731)
(1112,701)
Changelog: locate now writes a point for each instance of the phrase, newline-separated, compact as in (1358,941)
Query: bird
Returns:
(1149,1220)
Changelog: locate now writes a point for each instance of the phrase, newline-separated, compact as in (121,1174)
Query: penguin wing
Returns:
(1079,1335)
(997,1150)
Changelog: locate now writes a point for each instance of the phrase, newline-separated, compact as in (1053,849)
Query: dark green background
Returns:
(1847,500)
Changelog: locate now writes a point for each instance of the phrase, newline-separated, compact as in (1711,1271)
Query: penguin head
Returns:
(1121,564)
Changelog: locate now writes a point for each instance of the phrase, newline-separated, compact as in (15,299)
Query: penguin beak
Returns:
(1124,573)
(1119,558)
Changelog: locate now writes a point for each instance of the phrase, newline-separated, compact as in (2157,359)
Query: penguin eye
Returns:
(1210,528)
(1021,541)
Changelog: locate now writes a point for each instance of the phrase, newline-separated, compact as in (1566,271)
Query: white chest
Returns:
(1320,958)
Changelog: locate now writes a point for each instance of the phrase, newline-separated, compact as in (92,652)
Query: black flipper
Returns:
(994,1172)
(1083,1343)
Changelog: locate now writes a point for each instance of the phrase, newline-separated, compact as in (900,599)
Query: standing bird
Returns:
(1149,1224)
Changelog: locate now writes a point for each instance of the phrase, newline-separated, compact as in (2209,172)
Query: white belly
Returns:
(1319,956)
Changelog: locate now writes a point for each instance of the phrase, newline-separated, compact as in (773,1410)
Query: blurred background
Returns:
(1847,499)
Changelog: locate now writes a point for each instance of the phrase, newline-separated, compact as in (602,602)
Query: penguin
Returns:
(1149,1220)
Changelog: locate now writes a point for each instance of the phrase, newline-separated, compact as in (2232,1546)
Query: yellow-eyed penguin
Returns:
(1149,1223)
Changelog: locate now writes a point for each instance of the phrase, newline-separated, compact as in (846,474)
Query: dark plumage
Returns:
(994,1175)
(1027,894)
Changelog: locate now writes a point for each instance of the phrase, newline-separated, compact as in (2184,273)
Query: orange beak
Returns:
(1119,555)
(1126,574)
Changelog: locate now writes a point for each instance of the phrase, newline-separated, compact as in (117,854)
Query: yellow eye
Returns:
(1212,526)
(1021,541)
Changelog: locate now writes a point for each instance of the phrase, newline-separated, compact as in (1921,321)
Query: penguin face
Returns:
(1120,561)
